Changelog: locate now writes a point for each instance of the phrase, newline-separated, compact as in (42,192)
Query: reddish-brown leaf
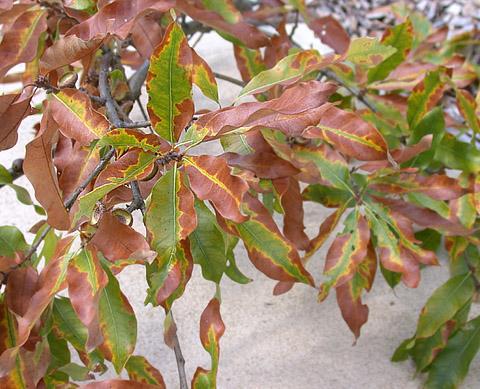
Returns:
(13,109)
(66,51)
(118,241)
(39,169)
(118,384)
(20,42)
(22,284)
(117,17)
(331,32)
(249,35)
(86,279)
(349,134)
(292,204)
(211,179)
(297,108)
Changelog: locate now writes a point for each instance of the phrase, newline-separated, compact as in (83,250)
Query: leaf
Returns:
(349,134)
(399,37)
(211,330)
(140,370)
(326,195)
(117,241)
(444,303)
(39,169)
(452,364)
(169,85)
(170,215)
(73,112)
(50,281)
(249,62)
(298,107)
(330,31)
(20,41)
(211,179)
(456,154)
(239,32)
(86,280)
(287,71)
(168,276)
(424,97)
(117,17)
(118,324)
(130,138)
(13,109)
(224,8)
(268,250)
(346,252)
(468,107)
(202,76)
(331,165)
(118,384)
(127,168)
(66,51)
(368,51)
(292,204)
(207,244)
(11,241)
(349,294)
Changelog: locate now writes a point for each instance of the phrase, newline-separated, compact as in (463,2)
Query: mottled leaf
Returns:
(140,370)
(368,51)
(169,85)
(118,324)
(211,179)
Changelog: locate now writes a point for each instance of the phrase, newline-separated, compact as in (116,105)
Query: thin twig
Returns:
(179,357)
(34,246)
(137,80)
(353,91)
(137,201)
(229,79)
(295,25)
(125,124)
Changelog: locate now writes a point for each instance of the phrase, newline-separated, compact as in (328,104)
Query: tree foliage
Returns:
(383,132)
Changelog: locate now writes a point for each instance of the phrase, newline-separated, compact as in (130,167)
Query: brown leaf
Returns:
(66,51)
(349,134)
(39,169)
(22,284)
(211,179)
(118,384)
(251,36)
(86,279)
(116,240)
(331,32)
(20,42)
(264,164)
(13,109)
(292,204)
(117,17)
(297,108)
(147,33)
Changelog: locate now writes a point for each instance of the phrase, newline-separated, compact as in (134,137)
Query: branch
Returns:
(137,202)
(138,78)
(229,79)
(179,357)
(353,91)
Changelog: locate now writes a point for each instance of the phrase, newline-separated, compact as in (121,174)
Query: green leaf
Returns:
(452,364)
(424,97)
(459,155)
(401,38)
(368,51)
(330,164)
(268,250)
(140,370)
(118,324)
(169,85)
(127,174)
(11,241)
(207,244)
(5,176)
(326,195)
(468,107)
(288,70)
(444,303)
(203,77)
(125,138)
(170,215)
